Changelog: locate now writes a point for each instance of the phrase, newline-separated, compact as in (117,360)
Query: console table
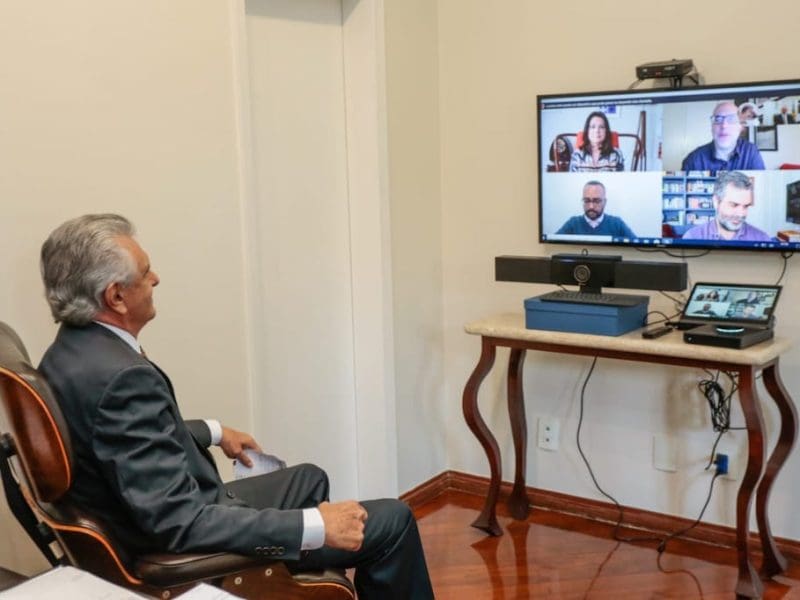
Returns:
(508,331)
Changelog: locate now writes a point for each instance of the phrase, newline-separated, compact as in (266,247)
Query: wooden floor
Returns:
(552,555)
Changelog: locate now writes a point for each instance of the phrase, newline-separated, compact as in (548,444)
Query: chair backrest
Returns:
(39,439)
(39,430)
(42,445)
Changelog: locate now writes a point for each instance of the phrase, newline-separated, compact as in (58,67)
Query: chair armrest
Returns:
(165,569)
(244,576)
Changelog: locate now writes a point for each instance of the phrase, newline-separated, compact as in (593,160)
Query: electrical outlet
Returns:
(737,458)
(549,429)
(721,462)
(734,467)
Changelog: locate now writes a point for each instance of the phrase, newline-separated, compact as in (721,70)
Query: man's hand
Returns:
(234,443)
(344,524)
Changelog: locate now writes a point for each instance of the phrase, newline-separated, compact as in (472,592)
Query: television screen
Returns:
(793,202)
(695,167)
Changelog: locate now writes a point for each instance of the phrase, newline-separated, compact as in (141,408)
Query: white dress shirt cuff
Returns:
(215,428)
(313,529)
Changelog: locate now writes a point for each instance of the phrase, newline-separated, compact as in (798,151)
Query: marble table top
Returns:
(512,326)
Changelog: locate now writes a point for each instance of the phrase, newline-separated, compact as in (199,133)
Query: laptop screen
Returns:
(731,303)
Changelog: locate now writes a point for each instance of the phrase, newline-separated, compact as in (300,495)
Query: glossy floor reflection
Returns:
(561,556)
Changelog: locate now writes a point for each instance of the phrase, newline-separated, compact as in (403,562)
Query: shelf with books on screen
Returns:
(686,200)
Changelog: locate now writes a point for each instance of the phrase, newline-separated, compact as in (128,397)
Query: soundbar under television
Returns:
(592,272)
(715,167)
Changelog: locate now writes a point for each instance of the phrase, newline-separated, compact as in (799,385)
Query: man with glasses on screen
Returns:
(594,220)
(733,197)
(727,151)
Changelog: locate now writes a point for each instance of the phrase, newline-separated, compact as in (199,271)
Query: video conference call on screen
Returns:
(701,167)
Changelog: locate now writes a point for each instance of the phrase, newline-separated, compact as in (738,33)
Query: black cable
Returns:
(669,252)
(662,541)
(663,545)
(684,255)
(677,301)
(678,305)
(720,404)
(714,450)
(785,255)
(656,312)
(621,510)
(578,437)
(677,571)
(600,569)
(715,396)
(719,401)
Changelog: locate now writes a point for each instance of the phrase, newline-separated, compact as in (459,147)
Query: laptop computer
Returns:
(729,314)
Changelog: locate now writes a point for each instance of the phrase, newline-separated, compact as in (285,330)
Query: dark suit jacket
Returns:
(778,119)
(139,465)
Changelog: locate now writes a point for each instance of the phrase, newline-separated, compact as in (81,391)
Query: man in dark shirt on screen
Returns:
(594,220)
(727,151)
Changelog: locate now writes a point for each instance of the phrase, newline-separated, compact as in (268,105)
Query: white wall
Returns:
(303,312)
(319,239)
(128,108)
(137,108)
(416,221)
(146,111)
(495,58)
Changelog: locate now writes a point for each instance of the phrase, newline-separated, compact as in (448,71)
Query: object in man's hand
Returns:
(262,463)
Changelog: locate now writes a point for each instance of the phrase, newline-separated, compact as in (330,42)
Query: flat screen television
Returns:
(695,167)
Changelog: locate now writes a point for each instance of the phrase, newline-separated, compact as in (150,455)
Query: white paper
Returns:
(262,463)
(68,582)
(204,591)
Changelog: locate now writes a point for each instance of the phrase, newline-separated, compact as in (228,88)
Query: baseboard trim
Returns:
(635,518)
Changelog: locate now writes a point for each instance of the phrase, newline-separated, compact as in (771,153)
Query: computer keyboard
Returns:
(593,298)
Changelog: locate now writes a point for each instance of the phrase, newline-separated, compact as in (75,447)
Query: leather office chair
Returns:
(36,461)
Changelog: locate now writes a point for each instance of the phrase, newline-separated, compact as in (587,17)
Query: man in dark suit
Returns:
(784,117)
(148,473)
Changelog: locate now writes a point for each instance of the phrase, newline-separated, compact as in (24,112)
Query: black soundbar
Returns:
(581,269)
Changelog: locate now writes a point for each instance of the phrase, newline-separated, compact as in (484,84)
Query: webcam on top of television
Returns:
(665,68)
(674,70)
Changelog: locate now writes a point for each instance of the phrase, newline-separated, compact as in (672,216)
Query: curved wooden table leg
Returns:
(774,561)
(517,502)
(487,520)
(749,585)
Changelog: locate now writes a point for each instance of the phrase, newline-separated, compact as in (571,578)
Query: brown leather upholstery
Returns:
(44,453)
(47,463)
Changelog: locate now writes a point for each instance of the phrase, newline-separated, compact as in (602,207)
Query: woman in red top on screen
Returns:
(596,153)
